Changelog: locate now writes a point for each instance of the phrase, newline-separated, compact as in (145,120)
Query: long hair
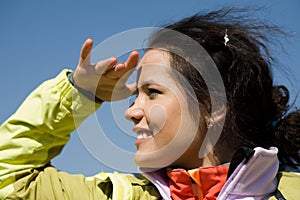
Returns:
(257,110)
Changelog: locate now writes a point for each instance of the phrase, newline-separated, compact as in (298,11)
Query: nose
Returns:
(134,113)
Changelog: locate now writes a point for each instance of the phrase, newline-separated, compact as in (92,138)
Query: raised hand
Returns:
(106,79)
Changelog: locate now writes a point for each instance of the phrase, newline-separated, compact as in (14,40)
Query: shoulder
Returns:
(47,182)
(134,186)
(288,186)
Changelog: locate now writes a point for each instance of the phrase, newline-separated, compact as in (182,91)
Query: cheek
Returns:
(158,116)
(165,117)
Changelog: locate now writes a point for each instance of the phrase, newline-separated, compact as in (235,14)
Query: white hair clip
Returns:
(226,38)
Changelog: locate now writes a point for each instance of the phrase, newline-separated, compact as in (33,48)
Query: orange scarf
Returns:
(197,184)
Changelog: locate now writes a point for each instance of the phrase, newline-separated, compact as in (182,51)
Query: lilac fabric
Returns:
(160,180)
(253,180)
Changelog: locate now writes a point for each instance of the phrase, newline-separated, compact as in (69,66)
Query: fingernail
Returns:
(112,59)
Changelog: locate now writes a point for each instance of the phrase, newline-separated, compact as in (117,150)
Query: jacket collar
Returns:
(199,183)
(253,178)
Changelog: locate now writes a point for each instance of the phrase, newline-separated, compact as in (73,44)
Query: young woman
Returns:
(197,138)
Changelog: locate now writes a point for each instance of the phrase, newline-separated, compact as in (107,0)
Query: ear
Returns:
(216,117)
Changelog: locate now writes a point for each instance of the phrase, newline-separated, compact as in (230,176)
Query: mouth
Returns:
(144,134)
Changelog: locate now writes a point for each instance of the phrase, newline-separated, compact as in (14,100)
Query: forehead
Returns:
(154,73)
(155,68)
(155,56)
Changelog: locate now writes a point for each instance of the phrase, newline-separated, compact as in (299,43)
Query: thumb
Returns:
(85,54)
(132,88)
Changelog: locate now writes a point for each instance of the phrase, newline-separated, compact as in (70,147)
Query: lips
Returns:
(143,134)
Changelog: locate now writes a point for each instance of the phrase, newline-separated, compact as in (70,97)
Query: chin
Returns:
(153,160)
(146,160)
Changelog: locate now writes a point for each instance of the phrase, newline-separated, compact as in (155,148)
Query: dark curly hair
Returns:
(257,110)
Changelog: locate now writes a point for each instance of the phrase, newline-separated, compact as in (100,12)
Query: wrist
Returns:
(86,93)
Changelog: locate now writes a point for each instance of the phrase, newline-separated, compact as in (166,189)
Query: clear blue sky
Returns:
(40,38)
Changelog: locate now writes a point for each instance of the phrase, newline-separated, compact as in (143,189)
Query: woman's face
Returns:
(167,134)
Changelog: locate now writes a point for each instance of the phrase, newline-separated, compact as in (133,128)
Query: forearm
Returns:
(41,126)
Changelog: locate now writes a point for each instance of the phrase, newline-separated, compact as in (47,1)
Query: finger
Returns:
(124,91)
(105,65)
(131,62)
(111,72)
(85,54)
(132,88)
(124,78)
(122,68)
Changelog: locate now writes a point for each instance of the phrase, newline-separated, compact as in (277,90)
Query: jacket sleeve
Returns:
(37,132)
(40,128)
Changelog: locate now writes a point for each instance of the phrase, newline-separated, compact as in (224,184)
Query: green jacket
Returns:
(37,132)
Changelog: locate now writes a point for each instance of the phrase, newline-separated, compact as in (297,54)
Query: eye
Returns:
(153,92)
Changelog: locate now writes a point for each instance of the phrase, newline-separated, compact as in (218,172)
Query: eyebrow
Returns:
(147,83)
